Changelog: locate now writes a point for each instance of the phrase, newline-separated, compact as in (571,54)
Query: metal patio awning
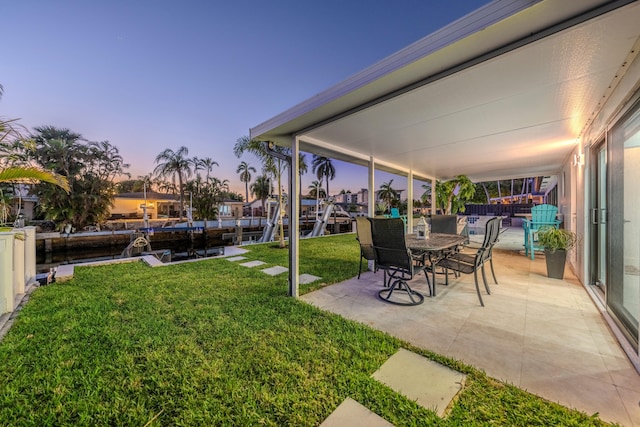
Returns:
(506,91)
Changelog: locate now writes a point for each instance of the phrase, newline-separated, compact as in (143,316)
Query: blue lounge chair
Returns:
(541,216)
(395,213)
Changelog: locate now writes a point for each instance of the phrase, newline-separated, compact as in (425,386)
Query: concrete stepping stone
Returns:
(424,381)
(274,271)
(236,258)
(252,263)
(308,278)
(353,414)
(233,251)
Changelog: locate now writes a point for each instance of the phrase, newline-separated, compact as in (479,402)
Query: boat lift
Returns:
(320,225)
(272,222)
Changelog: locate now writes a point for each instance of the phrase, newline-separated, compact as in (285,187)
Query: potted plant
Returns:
(556,242)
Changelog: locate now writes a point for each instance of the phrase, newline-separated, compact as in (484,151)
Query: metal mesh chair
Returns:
(447,224)
(491,234)
(393,256)
(364,238)
(468,264)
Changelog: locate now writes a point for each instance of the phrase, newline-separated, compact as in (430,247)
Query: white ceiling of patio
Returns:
(503,92)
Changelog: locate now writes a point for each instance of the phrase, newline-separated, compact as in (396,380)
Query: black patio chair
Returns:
(364,238)
(467,264)
(492,233)
(393,256)
(447,224)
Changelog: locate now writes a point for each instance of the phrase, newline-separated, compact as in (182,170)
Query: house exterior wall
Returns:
(625,94)
(618,102)
(126,207)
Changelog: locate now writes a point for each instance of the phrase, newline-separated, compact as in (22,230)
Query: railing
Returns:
(508,210)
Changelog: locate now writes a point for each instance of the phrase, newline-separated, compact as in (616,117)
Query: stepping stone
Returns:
(424,381)
(308,278)
(233,251)
(252,263)
(274,271)
(351,413)
(236,258)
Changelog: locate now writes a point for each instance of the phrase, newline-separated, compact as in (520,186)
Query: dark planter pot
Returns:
(555,263)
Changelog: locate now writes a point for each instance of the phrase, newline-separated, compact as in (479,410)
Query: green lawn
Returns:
(214,343)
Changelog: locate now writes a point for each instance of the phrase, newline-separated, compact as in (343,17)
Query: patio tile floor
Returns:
(543,335)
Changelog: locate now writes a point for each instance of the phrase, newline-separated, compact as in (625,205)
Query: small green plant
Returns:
(553,239)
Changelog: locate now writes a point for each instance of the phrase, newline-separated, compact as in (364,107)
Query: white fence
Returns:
(17,265)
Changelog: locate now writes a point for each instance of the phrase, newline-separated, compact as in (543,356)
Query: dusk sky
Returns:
(149,75)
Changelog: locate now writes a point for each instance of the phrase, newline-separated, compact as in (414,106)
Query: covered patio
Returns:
(517,88)
(543,335)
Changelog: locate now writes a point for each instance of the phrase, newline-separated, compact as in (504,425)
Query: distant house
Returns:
(159,205)
(22,202)
(230,209)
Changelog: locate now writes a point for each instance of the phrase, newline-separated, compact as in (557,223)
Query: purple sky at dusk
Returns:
(149,75)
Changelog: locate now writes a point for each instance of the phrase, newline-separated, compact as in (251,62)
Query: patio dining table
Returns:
(436,247)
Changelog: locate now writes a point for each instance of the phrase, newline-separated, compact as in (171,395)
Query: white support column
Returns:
(410,202)
(433,196)
(7,298)
(294,219)
(372,191)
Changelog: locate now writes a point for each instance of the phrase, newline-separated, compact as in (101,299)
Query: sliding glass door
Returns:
(599,219)
(623,277)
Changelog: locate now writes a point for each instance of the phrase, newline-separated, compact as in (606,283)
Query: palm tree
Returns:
(270,165)
(261,189)
(302,169)
(244,169)
(205,164)
(174,163)
(18,172)
(323,168)
(388,193)
(316,190)
(148,181)
(426,196)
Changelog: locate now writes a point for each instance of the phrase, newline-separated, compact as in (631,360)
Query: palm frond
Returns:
(16,174)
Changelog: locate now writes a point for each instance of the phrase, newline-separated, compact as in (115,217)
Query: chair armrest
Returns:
(472,246)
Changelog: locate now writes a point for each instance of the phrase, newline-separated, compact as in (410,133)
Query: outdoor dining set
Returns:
(402,256)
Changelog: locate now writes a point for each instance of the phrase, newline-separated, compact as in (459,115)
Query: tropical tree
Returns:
(316,191)
(388,194)
(270,165)
(205,197)
(244,169)
(27,175)
(261,189)
(451,195)
(205,164)
(302,169)
(139,184)
(89,167)
(175,164)
(323,168)
(426,195)
(14,165)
